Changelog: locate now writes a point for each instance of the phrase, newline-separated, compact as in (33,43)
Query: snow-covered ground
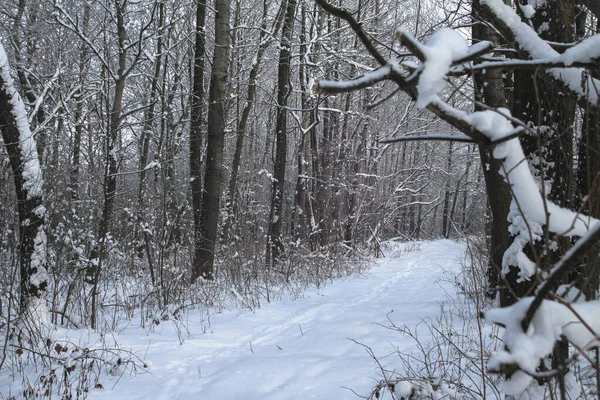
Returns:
(303,349)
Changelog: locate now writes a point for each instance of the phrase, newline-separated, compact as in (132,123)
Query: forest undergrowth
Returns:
(449,359)
(67,359)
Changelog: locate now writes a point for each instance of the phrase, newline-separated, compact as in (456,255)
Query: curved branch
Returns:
(356,27)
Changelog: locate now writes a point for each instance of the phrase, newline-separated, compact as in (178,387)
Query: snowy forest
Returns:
(234,174)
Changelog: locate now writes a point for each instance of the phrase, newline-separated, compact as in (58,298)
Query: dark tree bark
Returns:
(588,187)
(147,130)
(344,158)
(196,129)
(209,216)
(489,89)
(446,210)
(542,104)
(275,248)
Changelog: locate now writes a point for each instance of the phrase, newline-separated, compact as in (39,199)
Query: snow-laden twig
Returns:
(529,43)
(524,348)
(363,81)
(443,48)
(516,171)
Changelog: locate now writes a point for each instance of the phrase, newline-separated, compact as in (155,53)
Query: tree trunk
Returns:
(490,89)
(553,143)
(543,104)
(149,117)
(275,247)
(209,216)
(79,109)
(303,209)
(27,176)
(588,186)
(446,210)
(196,126)
(111,168)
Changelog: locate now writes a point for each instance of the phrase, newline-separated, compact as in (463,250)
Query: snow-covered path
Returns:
(298,349)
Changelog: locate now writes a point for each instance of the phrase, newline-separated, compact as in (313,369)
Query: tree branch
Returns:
(569,261)
(356,27)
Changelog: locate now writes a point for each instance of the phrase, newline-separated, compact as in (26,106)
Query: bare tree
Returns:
(209,217)
(275,248)
(264,40)
(196,129)
(126,65)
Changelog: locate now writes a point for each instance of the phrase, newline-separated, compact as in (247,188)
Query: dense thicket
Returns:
(183,142)
(118,94)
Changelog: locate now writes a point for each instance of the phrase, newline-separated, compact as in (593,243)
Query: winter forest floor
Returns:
(312,348)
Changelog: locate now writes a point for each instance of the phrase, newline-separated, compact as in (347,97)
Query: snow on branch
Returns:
(443,48)
(504,64)
(393,70)
(509,23)
(490,127)
(587,51)
(31,171)
(496,125)
(363,81)
(571,260)
(534,324)
(524,348)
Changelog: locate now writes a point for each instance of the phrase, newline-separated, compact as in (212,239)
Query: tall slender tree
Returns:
(489,90)
(275,248)
(217,98)
(196,132)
